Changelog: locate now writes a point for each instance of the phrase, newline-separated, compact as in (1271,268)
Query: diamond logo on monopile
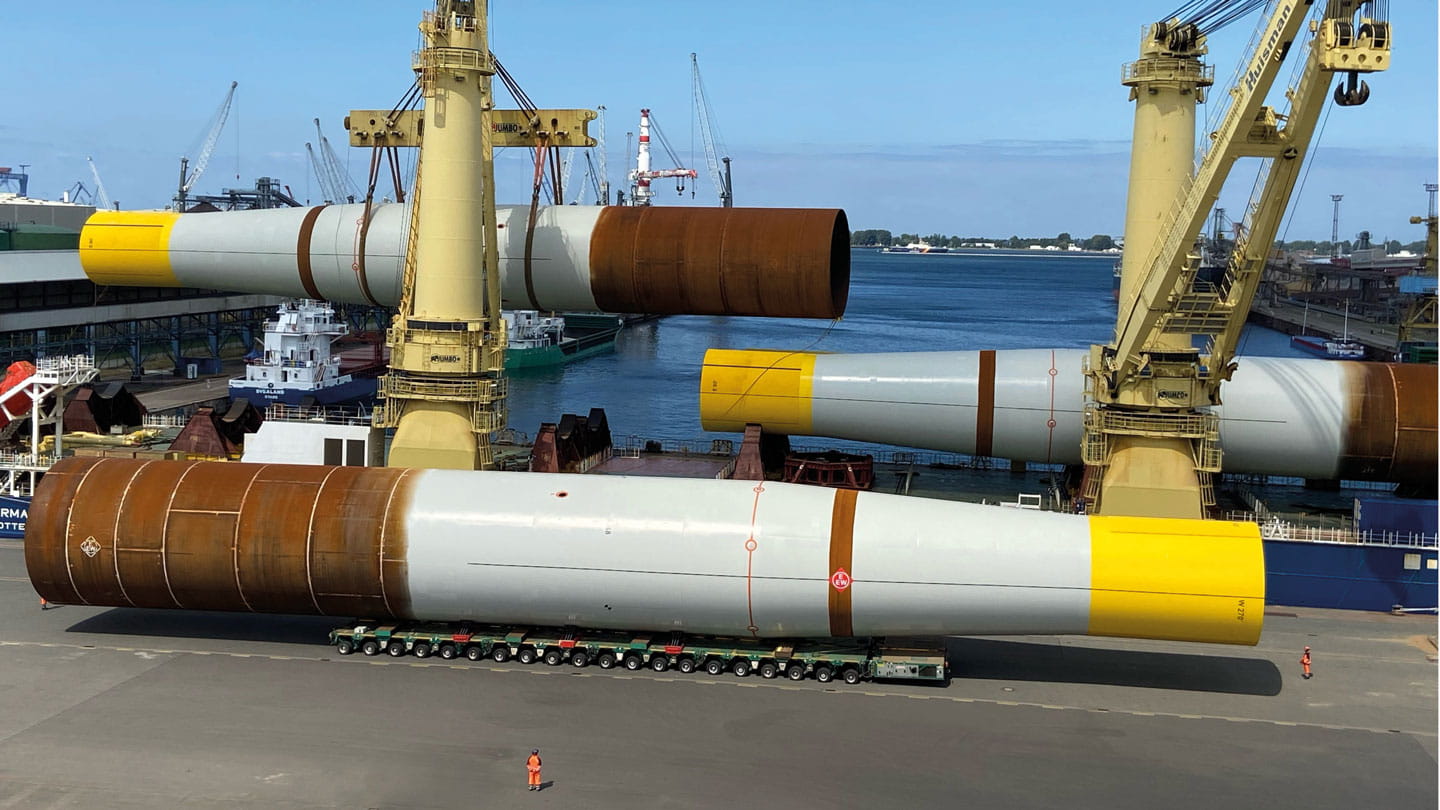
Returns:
(91,547)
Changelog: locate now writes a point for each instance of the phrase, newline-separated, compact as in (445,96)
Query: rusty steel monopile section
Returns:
(276,538)
(776,262)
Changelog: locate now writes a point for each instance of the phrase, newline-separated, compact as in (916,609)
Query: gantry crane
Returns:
(445,392)
(189,177)
(1151,442)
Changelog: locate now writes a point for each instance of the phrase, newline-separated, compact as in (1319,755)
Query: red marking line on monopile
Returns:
(302,252)
(750,546)
(840,575)
(985,404)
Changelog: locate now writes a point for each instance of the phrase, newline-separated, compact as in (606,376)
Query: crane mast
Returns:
(445,392)
(1151,442)
(640,193)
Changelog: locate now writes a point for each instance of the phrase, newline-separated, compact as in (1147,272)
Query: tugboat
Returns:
(298,366)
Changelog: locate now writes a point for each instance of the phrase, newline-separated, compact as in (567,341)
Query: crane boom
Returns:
(1152,386)
(342,187)
(322,177)
(101,198)
(707,134)
(602,196)
(211,139)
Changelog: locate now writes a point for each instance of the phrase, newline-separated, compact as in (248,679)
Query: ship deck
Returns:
(121,708)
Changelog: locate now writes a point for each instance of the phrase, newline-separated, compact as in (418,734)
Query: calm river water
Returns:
(649,386)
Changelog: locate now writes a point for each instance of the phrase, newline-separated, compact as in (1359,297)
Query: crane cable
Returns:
(1209,16)
(539,154)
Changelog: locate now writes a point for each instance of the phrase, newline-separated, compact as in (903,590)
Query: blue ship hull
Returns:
(353,391)
(1348,576)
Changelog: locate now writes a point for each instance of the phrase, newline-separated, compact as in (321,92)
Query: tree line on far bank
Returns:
(876,237)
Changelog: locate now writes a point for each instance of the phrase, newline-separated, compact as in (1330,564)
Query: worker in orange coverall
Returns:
(1305,662)
(533,766)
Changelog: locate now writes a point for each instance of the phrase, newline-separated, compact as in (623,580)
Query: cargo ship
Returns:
(298,364)
(1342,348)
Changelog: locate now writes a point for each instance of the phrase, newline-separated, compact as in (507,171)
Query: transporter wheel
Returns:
(686,664)
(768,669)
(795,672)
(579,658)
(448,652)
(824,673)
(527,655)
(633,662)
(606,660)
(474,652)
(344,646)
(659,662)
(370,647)
(499,653)
(554,657)
(850,675)
(396,648)
(714,666)
(740,667)
(422,649)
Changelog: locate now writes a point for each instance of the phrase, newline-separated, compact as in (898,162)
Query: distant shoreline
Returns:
(1084,254)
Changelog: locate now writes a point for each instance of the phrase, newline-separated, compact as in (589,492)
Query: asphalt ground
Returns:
(123,708)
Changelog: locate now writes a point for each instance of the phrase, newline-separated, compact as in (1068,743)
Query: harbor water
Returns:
(962,301)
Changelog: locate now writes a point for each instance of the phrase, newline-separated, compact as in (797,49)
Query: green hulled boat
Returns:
(537,340)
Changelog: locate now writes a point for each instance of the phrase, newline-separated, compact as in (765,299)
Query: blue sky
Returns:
(920,116)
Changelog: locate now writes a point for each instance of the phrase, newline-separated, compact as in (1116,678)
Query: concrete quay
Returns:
(126,708)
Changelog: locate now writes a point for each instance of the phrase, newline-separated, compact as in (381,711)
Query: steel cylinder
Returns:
(777,262)
(738,558)
(1318,419)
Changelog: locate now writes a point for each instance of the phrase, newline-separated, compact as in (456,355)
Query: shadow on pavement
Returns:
(308,630)
(990,659)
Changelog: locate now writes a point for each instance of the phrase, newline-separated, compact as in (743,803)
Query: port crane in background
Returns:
(714,146)
(189,177)
(1151,441)
(102,199)
(598,178)
(1417,332)
(335,182)
(640,193)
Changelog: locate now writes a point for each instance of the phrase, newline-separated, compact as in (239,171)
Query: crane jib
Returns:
(1252,76)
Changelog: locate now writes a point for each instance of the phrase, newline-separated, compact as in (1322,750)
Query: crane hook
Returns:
(1353,91)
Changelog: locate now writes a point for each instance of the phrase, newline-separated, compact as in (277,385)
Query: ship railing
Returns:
(331,415)
(164,420)
(1272,528)
(26,461)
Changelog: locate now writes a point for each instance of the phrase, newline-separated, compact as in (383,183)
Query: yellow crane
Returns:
(445,392)
(1151,442)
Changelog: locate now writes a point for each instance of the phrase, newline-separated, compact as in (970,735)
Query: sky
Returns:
(959,118)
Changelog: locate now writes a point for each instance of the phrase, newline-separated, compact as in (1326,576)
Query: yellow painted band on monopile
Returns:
(1182,580)
(128,247)
(738,386)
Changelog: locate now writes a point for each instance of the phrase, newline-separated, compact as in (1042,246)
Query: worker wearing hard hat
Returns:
(533,766)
